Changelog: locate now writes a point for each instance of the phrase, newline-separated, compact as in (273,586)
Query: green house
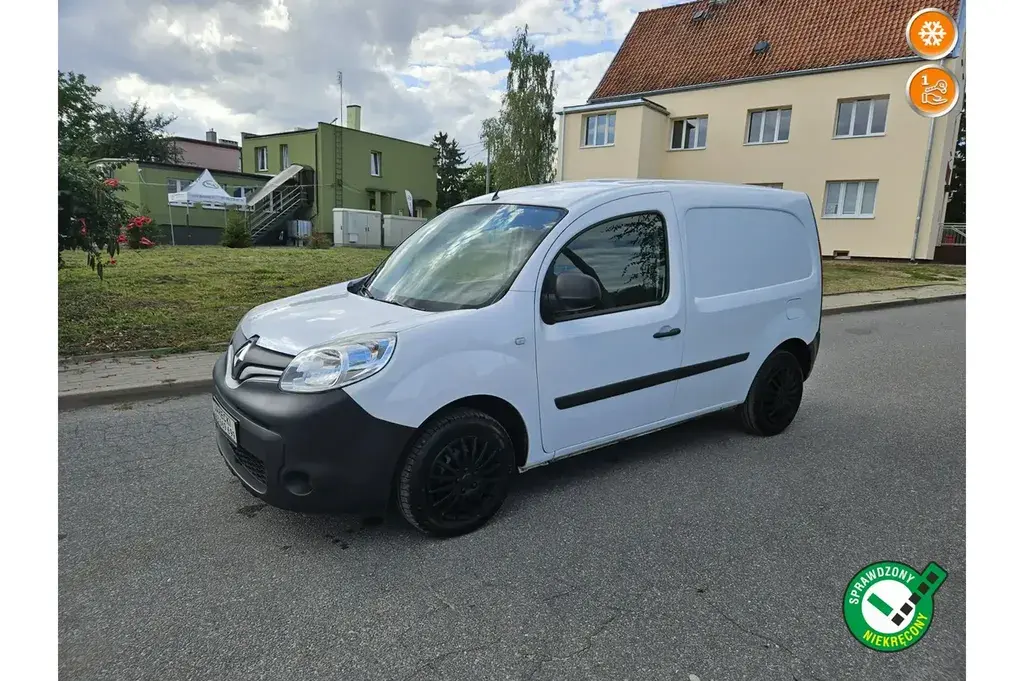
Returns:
(148,184)
(316,170)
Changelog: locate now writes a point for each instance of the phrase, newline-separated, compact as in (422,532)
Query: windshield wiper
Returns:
(364,291)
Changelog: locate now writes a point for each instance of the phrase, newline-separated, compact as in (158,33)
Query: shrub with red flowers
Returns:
(90,211)
(138,230)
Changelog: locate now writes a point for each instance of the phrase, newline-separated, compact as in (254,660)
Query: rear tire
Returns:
(457,473)
(775,395)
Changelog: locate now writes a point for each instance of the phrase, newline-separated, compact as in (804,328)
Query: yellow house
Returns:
(807,95)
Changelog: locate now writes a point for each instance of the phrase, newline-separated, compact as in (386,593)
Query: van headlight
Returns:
(338,363)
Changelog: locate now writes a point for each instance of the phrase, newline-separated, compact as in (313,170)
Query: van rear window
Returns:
(729,250)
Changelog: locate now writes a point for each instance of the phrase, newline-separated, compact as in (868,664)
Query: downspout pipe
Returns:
(561,149)
(924,188)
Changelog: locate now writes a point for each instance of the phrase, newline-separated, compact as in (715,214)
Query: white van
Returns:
(519,328)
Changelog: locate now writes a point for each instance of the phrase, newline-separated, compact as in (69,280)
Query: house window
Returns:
(175,185)
(599,130)
(850,199)
(861,117)
(771,185)
(690,133)
(285,159)
(375,163)
(768,126)
(261,158)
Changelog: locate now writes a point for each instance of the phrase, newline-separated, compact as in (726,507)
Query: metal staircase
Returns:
(271,211)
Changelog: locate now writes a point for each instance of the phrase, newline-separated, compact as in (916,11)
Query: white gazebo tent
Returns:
(204,190)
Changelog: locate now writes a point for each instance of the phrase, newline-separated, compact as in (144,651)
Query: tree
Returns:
(450,172)
(475,180)
(522,136)
(76,114)
(956,206)
(91,130)
(133,134)
(91,210)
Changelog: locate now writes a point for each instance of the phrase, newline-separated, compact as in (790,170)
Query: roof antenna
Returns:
(495,197)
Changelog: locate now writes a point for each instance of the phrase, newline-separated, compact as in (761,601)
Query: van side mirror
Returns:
(577,292)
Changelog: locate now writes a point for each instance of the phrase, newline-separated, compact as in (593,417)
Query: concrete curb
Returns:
(902,302)
(77,400)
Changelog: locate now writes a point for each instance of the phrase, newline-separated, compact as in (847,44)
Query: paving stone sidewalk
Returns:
(126,378)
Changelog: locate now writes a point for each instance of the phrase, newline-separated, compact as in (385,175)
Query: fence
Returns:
(953,234)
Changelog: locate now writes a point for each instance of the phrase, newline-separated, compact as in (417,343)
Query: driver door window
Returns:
(626,255)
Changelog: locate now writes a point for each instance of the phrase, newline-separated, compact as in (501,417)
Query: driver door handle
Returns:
(666,331)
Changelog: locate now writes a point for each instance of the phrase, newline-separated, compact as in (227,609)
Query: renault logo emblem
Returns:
(239,358)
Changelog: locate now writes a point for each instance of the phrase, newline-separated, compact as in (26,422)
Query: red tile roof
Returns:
(666,49)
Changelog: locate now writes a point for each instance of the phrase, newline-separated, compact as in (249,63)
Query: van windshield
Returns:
(464,258)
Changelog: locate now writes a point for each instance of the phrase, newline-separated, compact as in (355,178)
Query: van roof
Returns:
(570,195)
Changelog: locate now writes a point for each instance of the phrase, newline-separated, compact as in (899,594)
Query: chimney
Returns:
(354,113)
(211,135)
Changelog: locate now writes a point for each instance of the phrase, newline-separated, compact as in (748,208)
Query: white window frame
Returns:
(844,187)
(688,119)
(179,186)
(609,116)
(853,117)
(778,123)
(286,159)
(376,161)
(261,159)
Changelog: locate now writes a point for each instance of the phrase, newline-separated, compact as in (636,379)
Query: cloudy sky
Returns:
(415,66)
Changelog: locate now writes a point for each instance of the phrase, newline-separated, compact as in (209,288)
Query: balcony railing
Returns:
(953,234)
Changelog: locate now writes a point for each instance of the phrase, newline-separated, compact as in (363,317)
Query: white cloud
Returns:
(197,30)
(198,108)
(275,15)
(416,67)
(452,47)
(577,78)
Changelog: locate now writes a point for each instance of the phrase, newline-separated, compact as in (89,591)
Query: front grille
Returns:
(253,466)
(248,360)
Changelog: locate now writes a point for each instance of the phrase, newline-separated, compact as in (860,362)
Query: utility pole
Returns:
(487,176)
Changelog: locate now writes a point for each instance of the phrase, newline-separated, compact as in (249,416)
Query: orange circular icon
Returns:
(932,91)
(932,33)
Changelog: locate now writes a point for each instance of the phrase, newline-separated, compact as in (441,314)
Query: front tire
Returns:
(457,473)
(774,396)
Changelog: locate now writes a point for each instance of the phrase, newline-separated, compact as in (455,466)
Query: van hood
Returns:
(290,325)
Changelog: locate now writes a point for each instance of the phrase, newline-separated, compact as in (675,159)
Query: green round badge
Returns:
(889,605)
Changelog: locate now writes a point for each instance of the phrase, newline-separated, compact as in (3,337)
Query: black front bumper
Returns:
(309,452)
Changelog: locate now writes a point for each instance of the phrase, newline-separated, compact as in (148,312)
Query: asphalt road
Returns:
(697,552)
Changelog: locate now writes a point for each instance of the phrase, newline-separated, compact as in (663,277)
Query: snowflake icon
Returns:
(932,33)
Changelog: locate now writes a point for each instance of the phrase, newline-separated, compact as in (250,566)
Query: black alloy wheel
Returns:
(775,395)
(457,474)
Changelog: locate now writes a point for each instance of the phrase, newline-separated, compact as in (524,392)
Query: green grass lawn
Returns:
(190,297)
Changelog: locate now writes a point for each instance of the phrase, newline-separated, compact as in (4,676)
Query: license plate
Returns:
(228,425)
